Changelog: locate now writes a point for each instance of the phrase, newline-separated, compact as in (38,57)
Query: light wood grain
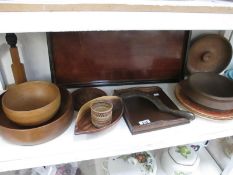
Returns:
(14,7)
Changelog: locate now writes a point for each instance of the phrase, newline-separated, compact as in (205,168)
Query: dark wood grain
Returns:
(139,109)
(27,135)
(83,95)
(83,123)
(107,57)
(209,90)
(209,53)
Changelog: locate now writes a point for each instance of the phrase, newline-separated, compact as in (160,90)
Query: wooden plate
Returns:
(83,122)
(28,135)
(201,110)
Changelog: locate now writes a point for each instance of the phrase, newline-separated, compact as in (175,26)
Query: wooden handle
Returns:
(15,56)
(160,105)
(17,67)
(206,57)
(19,73)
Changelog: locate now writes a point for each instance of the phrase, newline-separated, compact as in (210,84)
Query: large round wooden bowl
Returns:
(31,103)
(210,90)
(25,135)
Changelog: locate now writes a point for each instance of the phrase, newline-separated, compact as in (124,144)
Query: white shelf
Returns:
(78,15)
(114,141)
(19,22)
(21,16)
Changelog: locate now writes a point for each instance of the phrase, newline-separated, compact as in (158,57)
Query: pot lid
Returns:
(209,53)
(183,155)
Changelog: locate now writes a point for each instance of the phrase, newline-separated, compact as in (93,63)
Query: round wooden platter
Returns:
(202,111)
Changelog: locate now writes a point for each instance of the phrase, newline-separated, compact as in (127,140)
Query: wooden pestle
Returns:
(17,67)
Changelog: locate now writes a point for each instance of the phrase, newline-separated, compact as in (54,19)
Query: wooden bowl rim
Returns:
(206,95)
(67,103)
(57,97)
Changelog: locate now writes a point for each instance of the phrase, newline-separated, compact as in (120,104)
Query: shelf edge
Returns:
(19,7)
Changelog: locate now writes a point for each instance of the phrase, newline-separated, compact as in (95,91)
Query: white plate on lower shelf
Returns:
(142,163)
(208,166)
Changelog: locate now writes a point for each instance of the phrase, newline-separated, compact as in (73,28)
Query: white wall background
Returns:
(33,52)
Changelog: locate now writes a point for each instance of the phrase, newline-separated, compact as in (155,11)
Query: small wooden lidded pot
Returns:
(101,113)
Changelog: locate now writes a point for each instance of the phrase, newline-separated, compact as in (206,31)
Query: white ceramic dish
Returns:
(180,160)
(228,146)
(142,163)
(228,150)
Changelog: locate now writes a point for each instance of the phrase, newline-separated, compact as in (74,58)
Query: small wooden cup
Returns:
(101,113)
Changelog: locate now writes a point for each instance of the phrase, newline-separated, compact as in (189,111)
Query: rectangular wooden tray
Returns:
(96,58)
(139,111)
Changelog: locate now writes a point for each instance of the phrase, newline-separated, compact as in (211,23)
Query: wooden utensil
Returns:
(159,104)
(17,67)
(142,115)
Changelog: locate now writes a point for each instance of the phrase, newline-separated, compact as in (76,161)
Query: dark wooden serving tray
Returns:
(97,58)
(139,110)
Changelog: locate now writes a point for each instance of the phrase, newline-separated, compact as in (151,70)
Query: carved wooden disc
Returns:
(209,53)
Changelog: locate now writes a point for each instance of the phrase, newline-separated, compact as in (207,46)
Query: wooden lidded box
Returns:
(95,58)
